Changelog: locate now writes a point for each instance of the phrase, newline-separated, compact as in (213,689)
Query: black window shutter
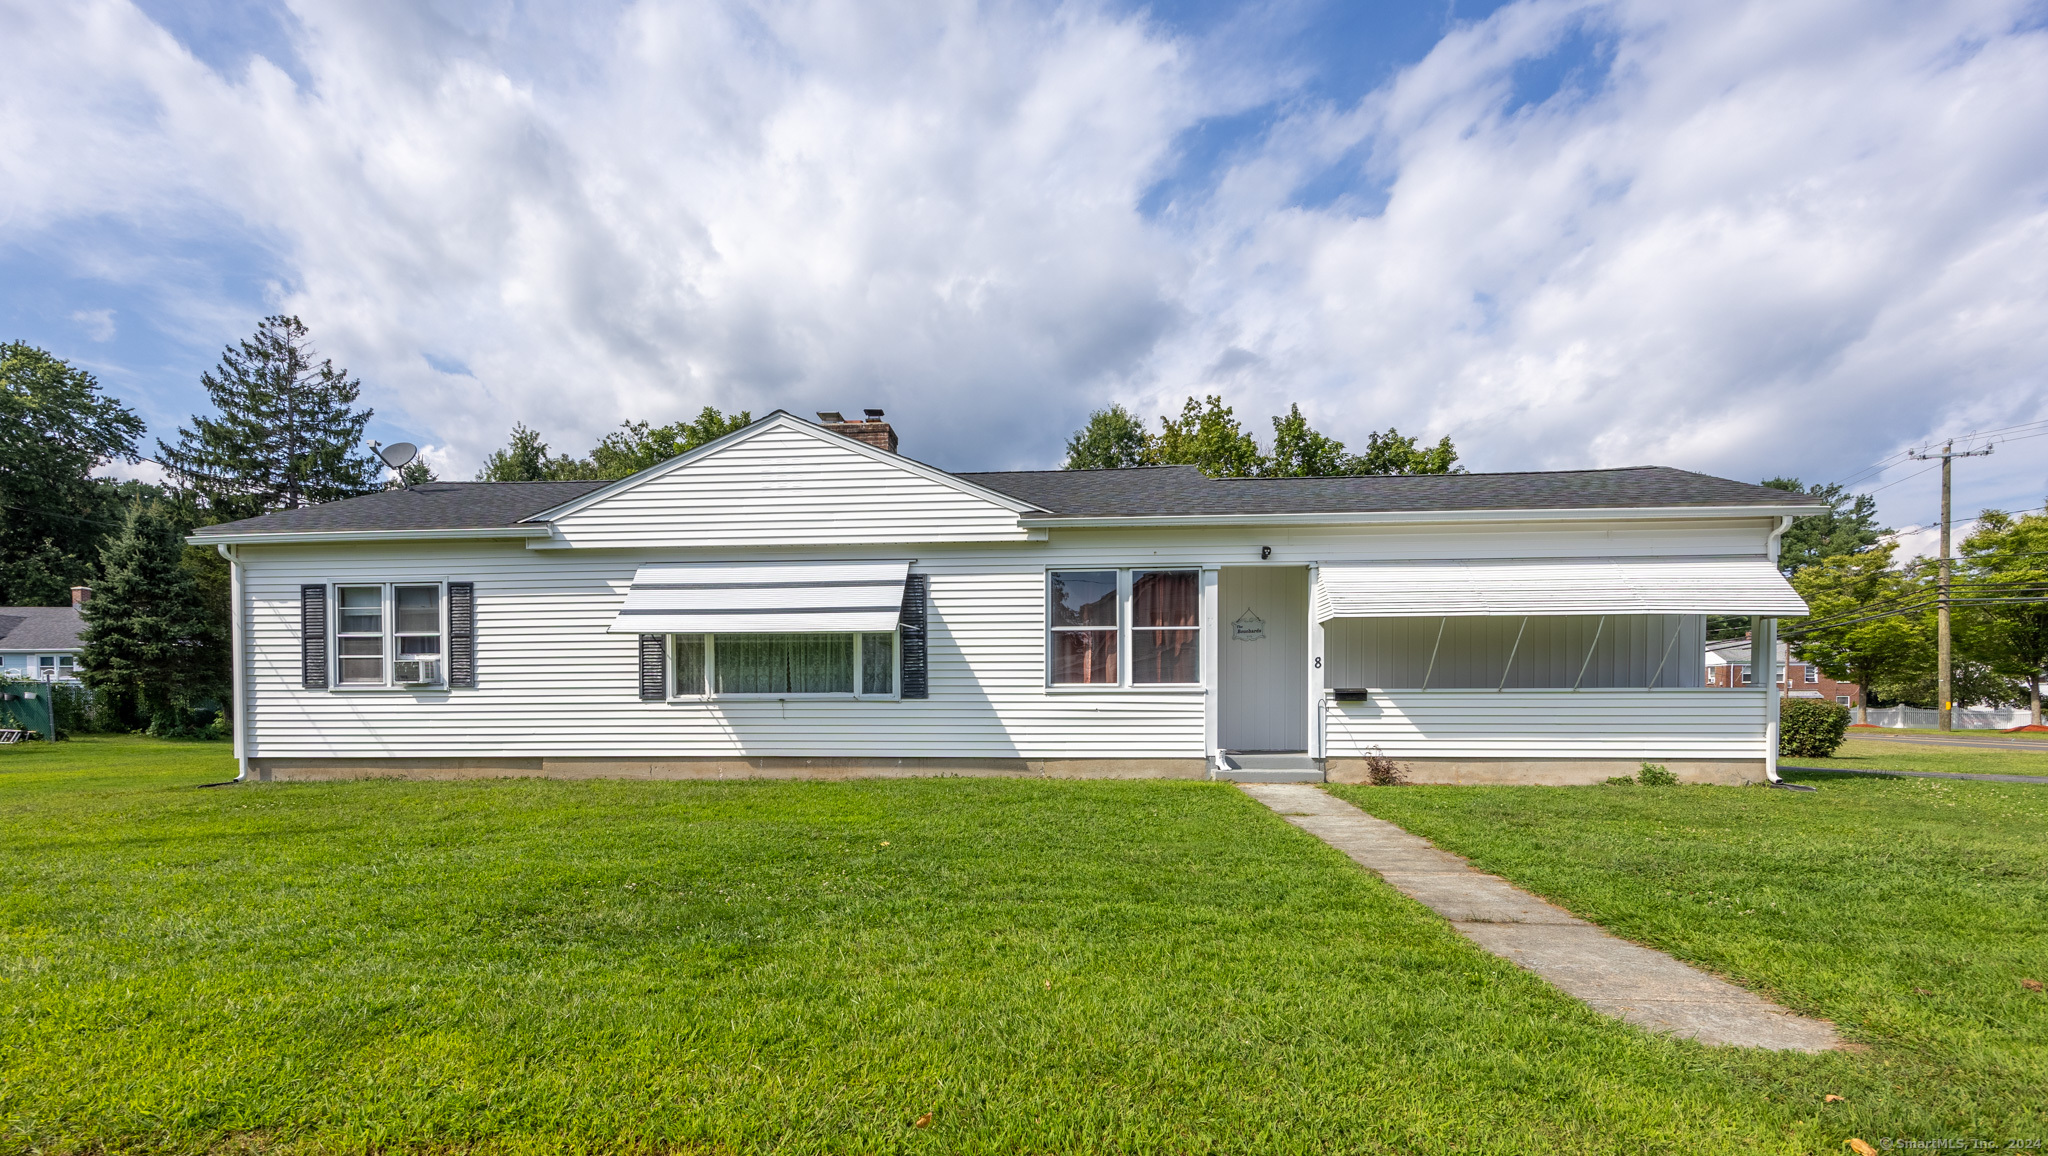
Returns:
(916,682)
(462,634)
(313,637)
(653,667)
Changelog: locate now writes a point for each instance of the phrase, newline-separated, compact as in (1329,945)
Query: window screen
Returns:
(783,663)
(1165,614)
(878,664)
(359,632)
(1083,617)
(689,664)
(416,611)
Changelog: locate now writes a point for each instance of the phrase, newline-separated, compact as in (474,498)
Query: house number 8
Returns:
(1319,662)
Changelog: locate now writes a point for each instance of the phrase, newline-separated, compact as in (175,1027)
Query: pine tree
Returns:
(1849,527)
(413,473)
(285,436)
(149,638)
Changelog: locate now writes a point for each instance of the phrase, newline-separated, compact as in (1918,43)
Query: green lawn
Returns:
(1906,910)
(1878,755)
(1040,966)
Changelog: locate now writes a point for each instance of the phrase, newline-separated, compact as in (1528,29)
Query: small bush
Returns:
(1382,771)
(1809,728)
(1622,781)
(1656,775)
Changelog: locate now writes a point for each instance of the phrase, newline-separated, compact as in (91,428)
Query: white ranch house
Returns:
(797,600)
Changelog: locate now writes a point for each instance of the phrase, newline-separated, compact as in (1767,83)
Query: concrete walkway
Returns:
(1613,976)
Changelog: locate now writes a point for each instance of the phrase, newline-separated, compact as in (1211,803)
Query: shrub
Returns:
(1382,771)
(1656,775)
(1622,781)
(1810,728)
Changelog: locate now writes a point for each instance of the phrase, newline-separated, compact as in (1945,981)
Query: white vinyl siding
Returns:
(786,487)
(552,682)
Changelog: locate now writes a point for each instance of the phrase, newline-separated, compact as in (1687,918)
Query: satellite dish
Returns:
(397,455)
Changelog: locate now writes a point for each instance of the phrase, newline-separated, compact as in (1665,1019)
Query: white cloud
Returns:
(1777,236)
(142,471)
(97,323)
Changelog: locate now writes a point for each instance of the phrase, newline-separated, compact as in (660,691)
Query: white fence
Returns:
(1963,720)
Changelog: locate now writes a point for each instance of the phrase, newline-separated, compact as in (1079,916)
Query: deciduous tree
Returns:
(1856,632)
(2007,557)
(1113,439)
(1208,435)
(56,428)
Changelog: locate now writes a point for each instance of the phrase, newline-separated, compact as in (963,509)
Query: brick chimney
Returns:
(874,431)
(80,595)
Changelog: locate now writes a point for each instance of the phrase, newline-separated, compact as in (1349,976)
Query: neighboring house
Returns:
(792,600)
(1728,665)
(42,642)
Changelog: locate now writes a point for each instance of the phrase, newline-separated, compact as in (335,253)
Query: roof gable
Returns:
(784,481)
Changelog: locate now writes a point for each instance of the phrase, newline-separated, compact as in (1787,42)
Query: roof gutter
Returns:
(1414,517)
(306,537)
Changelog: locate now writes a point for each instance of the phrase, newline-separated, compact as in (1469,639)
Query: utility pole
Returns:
(1944,653)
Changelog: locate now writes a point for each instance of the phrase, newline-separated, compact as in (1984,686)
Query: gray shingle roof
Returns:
(432,506)
(1152,492)
(1184,490)
(40,628)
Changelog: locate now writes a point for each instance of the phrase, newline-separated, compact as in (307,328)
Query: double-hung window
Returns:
(785,665)
(1086,622)
(1109,628)
(389,633)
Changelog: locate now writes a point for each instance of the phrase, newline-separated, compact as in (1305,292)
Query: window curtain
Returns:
(1166,598)
(784,663)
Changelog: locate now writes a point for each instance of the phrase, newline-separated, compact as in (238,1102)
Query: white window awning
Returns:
(763,598)
(1492,587)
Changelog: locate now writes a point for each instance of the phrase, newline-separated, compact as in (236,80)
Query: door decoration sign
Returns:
(1249,627)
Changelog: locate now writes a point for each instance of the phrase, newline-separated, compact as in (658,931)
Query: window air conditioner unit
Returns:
(417,671)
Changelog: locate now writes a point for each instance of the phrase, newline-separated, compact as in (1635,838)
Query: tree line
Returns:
(1206,434)
(1873,614)
(285,432)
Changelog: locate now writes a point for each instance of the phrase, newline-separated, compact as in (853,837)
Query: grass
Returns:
(2015,736)
(1908,911)
(1878,755)
(1026,966)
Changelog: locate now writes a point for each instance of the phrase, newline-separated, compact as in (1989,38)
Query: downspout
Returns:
(1766,636)
(237,715)
(1764,641)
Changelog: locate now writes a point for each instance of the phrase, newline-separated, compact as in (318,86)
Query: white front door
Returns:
(1262,650)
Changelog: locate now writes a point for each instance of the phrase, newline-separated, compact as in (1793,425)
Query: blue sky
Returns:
(1746,238)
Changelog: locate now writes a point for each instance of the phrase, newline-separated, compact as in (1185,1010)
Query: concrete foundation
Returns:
(1551,772)
(316,770)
